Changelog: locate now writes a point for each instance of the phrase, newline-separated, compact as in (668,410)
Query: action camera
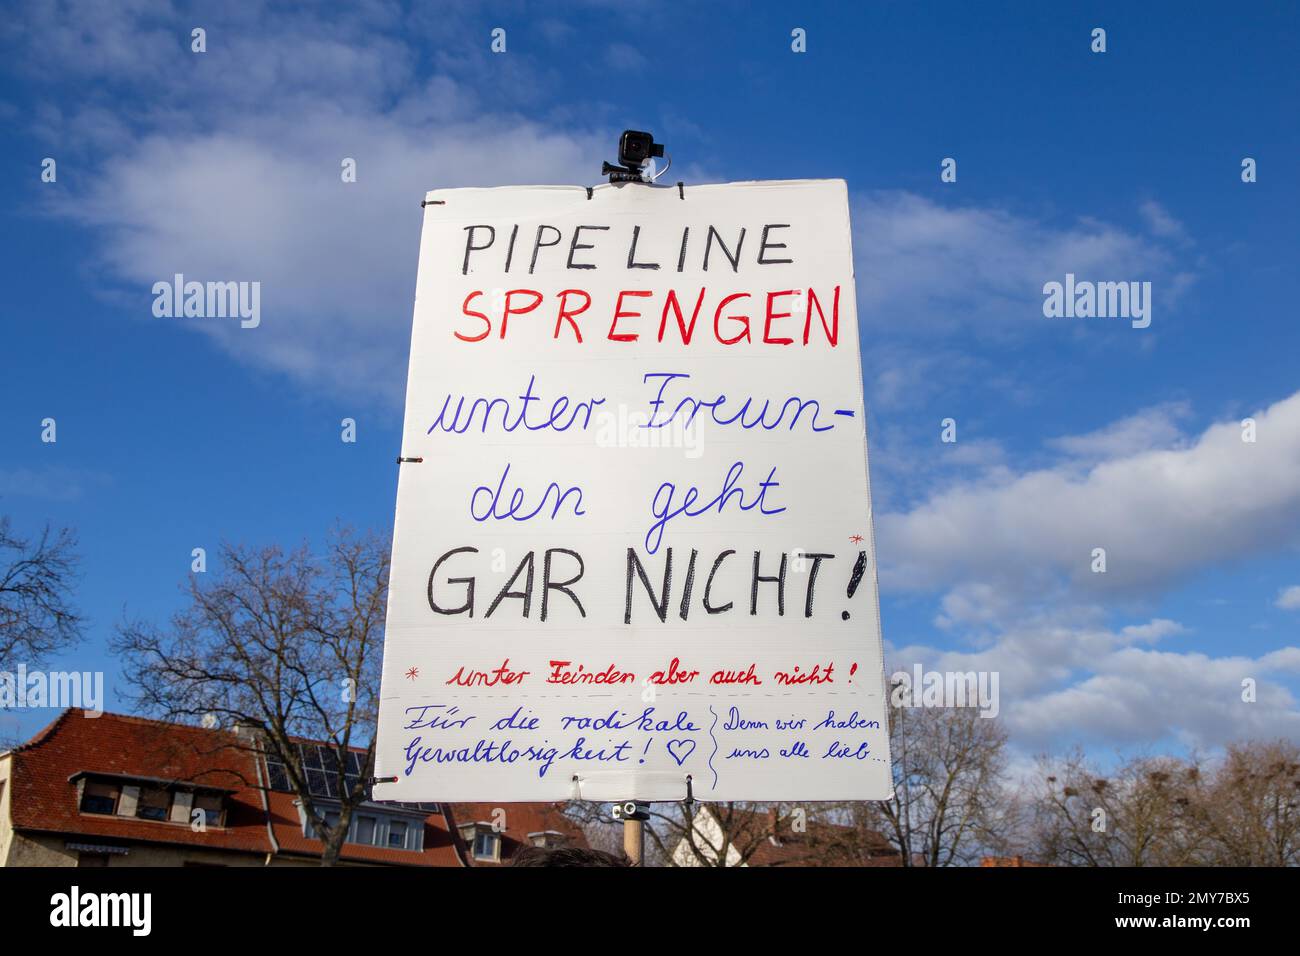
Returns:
(636,147)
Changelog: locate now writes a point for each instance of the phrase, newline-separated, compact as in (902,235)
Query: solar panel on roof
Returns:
(310,756)
(318,783)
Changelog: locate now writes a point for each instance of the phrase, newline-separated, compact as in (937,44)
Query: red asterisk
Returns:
(413,673)
(855,538)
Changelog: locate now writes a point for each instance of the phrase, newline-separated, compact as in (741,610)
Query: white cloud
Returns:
(1152,428)
(1009,555)
(1289,598)
(1153,631)
(264,201)
(1160,222)
(930,268)
(624,56)
(1159,515)
(1137,696)
(1064,677)
(226,165)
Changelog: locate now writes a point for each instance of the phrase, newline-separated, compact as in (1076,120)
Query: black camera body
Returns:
(635,149)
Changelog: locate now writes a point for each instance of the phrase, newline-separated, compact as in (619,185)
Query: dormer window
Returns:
(154,803)
(483,841)
(149,798)
(548,839)
(369,827)
(210,805)
(397,834)
(100,798)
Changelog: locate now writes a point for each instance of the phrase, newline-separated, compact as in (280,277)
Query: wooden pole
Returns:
(634,841)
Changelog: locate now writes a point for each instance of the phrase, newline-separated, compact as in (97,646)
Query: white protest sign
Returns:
(637,543)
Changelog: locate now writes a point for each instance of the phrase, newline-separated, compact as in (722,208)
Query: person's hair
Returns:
(566,856)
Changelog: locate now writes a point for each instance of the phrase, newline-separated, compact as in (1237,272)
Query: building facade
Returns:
(115,790)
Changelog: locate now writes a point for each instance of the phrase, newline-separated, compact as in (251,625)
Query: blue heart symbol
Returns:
(687,747)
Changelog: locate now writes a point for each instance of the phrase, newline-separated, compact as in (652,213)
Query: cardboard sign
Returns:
(637,543)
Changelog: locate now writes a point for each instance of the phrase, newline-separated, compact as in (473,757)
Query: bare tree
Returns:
(739,830)
(1142,813)
(1244,810)
(1247,811)
(287,645)
(950,802)
(37,617)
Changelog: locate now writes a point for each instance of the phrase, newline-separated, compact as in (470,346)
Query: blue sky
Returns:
(1122,166)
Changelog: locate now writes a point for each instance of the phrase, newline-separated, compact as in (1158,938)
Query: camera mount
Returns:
(635,150)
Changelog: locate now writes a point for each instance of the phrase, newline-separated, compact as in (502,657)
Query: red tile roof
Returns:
(45,798)
(44,793)
(521,820)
